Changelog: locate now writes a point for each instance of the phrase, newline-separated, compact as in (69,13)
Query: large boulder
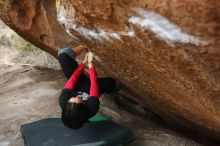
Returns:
(166,52)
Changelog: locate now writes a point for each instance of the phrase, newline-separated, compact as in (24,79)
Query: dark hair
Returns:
(74,115)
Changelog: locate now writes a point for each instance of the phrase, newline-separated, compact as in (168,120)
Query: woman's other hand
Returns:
(85,59)
(90,59)
(90,56)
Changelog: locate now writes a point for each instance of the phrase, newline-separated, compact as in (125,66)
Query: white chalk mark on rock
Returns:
(71,34)
(62,16)
(147,20)
(163,28)
(97,34)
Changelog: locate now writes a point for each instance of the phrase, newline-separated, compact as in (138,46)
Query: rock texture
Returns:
(165,52)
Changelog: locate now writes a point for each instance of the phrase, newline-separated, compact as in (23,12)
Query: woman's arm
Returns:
(70,84)
(94,88)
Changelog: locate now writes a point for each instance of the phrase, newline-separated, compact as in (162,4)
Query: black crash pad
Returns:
(52,132)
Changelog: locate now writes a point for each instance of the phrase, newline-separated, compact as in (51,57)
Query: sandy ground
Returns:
(31,93)
(26,94)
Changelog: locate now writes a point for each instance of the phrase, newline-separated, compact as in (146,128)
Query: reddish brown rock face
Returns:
(166,51)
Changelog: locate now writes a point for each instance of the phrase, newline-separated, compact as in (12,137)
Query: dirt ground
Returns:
(26,94)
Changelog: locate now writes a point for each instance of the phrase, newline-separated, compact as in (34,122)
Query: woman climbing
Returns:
(79,99)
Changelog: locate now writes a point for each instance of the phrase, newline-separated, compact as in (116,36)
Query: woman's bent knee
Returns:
(67,51)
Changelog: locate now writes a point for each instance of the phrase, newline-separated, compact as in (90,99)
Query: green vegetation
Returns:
(22,45)
(15,49)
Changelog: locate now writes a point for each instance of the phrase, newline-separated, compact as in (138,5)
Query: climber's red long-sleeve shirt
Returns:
(94,89)
(87,89)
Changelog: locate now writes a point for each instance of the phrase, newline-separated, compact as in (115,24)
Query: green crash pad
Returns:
(98,132)
(98,117)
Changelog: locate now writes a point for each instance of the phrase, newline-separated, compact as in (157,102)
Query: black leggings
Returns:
(68,64)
